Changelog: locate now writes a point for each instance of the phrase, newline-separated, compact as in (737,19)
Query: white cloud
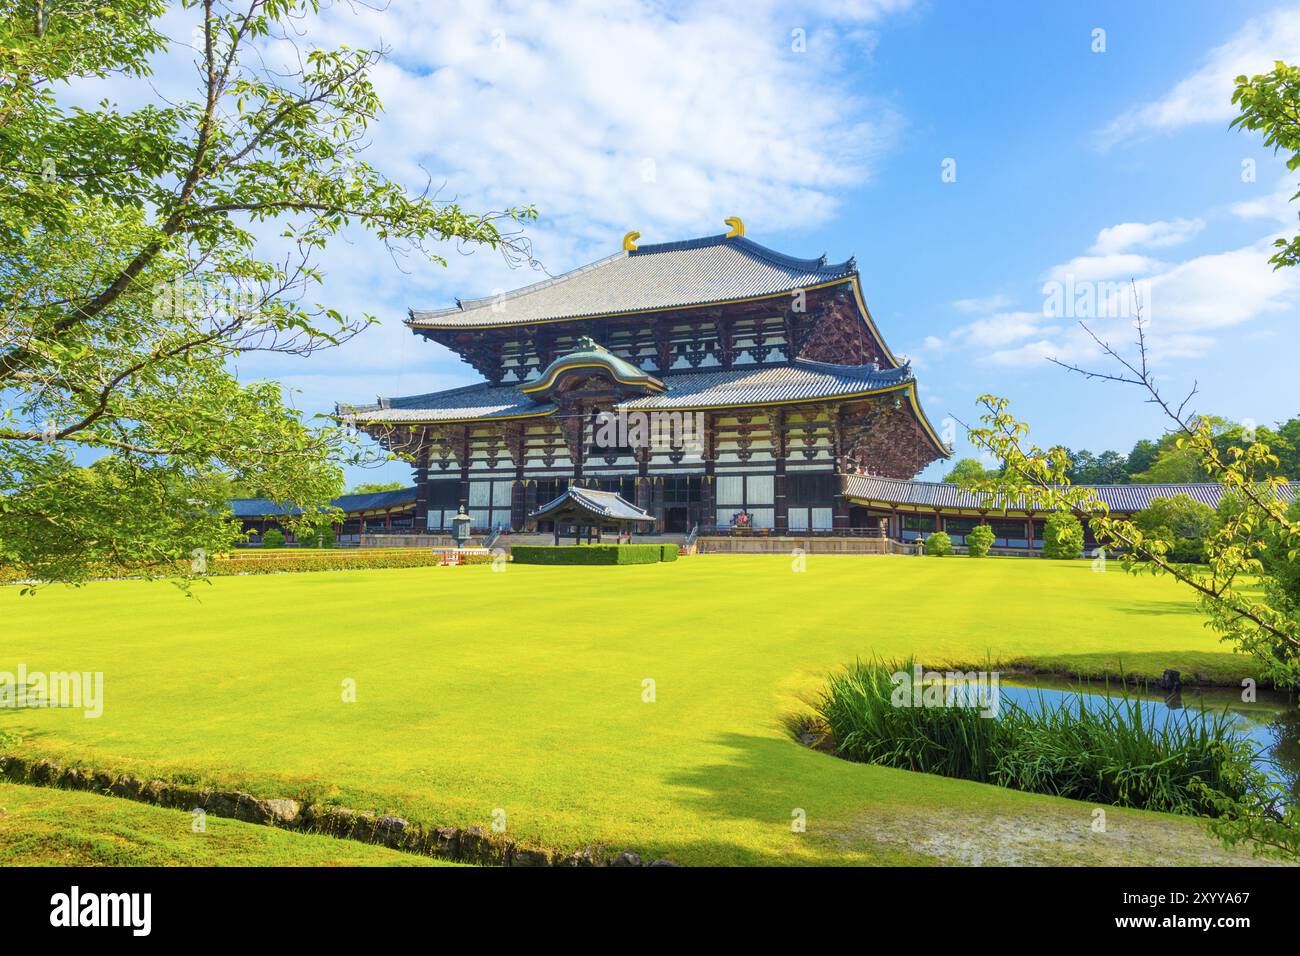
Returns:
(990,303)
(621,114)
(1161,234)
(1002,329)
(1205,96)
(1117,266)
(1221,290)
(1185,303)
(1279,205)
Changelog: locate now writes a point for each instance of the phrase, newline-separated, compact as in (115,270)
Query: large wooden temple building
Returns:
(710,382)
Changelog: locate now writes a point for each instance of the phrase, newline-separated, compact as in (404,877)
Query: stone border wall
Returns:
(468,845)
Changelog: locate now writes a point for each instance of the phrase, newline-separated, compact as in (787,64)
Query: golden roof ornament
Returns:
(629,241)
(737,227)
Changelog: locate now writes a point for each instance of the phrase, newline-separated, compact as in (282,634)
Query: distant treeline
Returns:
(1162,461)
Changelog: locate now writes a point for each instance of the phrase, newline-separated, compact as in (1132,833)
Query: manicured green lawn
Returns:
(44,827)
(522,690)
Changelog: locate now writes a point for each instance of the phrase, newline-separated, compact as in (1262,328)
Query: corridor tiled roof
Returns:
(366,501)
(940,495)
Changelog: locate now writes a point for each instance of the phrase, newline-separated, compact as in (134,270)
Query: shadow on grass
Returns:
(772,781)
(1160,608)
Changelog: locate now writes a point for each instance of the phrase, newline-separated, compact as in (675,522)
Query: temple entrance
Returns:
(677,518)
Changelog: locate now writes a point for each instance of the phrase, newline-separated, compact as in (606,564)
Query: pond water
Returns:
(1271,722)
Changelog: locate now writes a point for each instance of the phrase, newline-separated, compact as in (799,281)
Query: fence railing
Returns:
(733,531)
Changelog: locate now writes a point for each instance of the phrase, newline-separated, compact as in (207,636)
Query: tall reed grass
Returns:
(1103,749)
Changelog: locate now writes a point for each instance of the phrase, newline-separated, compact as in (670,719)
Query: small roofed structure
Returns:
(593,510)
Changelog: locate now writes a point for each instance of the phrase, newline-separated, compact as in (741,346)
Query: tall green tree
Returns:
(1142,456)
(964,470)
(131,276)
(367,487)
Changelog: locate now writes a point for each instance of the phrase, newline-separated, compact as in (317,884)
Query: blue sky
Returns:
(826,127)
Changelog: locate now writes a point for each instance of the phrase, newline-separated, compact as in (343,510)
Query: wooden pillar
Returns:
(530,503)
(708,487)
(464,462)
(1029,529)
(840,510)
(643,491)
(421,487)
(840,516)
(518,506)
(781,510)
(658,499)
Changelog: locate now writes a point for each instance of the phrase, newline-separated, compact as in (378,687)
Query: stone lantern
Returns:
(460,527)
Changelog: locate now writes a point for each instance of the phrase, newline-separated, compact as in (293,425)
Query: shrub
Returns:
(938,545)
(316,537)
(273,538)
(979,540)
(1183,522)
(1062,536)
(668,552)
(587,554)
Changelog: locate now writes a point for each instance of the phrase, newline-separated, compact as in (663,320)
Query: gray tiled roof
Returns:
(718,388)
(265,508)
(936,494)
(469,403)
(792,381)
(667,275)
(605,503)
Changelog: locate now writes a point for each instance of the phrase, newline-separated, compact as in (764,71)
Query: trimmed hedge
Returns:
(334,561)
(289,560)
(668,552)
(591,554)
